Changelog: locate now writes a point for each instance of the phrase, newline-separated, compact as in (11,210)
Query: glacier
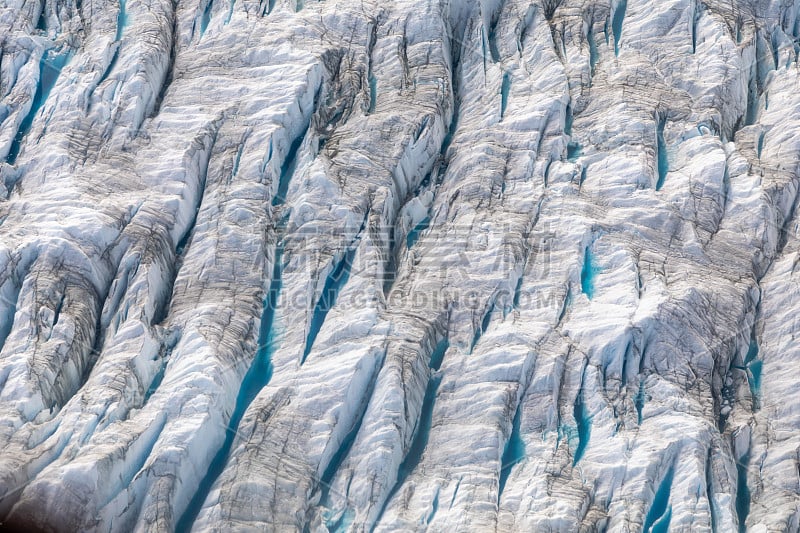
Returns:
(446,265)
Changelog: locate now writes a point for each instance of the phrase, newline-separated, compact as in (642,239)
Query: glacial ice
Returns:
(440,265)
(660,513)
(50,66)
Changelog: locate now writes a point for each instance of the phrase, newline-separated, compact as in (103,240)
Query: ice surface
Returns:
(436,265)
(256,378)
